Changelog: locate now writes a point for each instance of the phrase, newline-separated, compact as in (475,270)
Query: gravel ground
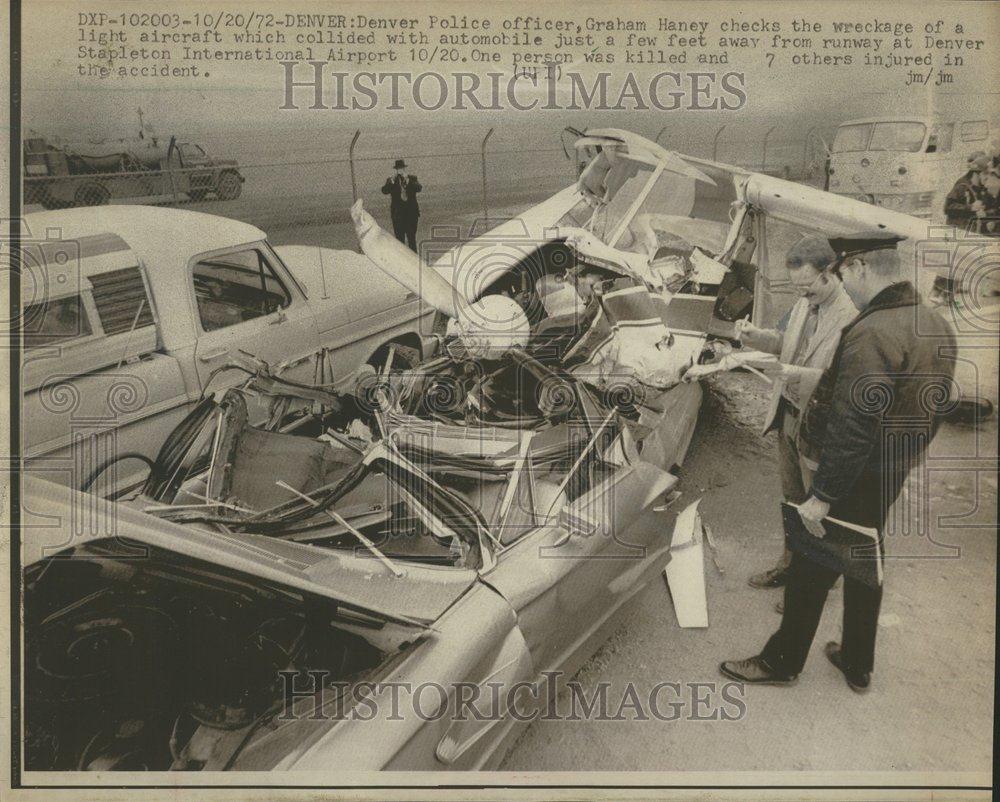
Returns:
(931,704)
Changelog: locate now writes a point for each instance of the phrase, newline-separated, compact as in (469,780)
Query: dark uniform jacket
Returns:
(878,405)
(958,203)
(989,223)
(404,197)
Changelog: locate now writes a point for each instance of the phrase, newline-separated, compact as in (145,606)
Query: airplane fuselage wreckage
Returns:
(475,518)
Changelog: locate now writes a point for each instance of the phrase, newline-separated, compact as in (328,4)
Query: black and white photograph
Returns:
(446,400)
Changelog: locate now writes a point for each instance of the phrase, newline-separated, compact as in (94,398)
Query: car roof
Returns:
(146,229)
(163,238)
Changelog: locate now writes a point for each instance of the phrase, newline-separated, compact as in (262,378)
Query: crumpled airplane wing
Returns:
(402,264)
(638,148)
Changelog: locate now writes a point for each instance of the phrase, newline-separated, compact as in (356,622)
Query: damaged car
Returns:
(260,601)
(470,523)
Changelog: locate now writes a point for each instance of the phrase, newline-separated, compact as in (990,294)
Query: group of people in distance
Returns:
(974,202)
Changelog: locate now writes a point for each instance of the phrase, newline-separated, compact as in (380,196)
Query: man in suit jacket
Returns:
(869,421)
(805,342)
(404,209)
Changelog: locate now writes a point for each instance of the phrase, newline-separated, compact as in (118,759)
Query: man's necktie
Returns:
(808,330)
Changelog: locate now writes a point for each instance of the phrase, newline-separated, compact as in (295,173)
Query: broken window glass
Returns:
(237,286)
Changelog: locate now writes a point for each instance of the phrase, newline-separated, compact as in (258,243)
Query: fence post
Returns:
(173,151)
(806,149)
(574,159)
(763,154)
(482,151)
(350,158)
(173,186)
(715,143)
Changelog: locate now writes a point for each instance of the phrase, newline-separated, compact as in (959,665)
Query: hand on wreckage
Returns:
(773,369)
(744,328)
(753,361)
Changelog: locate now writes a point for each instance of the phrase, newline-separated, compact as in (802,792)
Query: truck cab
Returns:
(906,164)
(202,174)
(131,314)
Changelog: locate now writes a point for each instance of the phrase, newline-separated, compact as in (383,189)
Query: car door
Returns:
(169,179)
(243,302)
(447,702)
(590,554)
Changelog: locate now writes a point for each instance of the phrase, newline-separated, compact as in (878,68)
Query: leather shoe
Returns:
(755,671)
(774,578)
(858,682)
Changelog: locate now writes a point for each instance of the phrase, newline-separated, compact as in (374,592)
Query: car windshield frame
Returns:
(896,127)
(667,210)
(613,217)
(653,201)
(838,146)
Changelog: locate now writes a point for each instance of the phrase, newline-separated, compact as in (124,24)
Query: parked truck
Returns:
(132,313)
(904,163)
(92,174)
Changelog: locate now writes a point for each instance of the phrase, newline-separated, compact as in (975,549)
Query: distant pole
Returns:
(805,149)
(486,211)
(657,140)
(763,154)
(715,143)
(350,156)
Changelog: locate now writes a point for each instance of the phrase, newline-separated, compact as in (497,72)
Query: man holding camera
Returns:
(965,200)
(403,207)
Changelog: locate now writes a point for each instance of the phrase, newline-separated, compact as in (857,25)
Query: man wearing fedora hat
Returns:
(403,188)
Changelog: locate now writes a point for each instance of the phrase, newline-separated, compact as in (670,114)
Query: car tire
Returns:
(229,187)
(91,194)
(48,202)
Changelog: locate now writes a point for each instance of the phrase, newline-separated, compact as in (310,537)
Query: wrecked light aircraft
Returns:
(476,520)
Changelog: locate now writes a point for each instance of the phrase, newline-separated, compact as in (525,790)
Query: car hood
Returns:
(357,583)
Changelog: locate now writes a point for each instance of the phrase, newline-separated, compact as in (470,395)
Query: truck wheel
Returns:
(229,187)
(197,194)
(91,195)
(48,202)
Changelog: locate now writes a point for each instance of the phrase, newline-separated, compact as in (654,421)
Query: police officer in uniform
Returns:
(871,417)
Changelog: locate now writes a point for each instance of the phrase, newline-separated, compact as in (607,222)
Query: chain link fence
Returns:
(308,200)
